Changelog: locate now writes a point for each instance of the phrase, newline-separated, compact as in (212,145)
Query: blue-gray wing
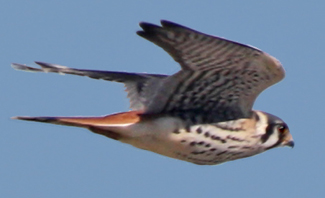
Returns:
(135,83)
(219,77)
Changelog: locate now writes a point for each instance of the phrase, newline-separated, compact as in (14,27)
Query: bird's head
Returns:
(273,131)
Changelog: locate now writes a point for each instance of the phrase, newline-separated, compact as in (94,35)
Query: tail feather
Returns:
(101,125)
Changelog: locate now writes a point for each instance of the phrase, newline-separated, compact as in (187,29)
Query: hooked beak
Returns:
(291,143)
(288,141)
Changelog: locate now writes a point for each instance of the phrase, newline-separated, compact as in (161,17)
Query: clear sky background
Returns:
(43,160)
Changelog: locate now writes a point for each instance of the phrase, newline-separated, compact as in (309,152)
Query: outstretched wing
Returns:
(219,78)
(135,83)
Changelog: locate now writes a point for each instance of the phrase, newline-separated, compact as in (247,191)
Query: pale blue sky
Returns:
(42,160)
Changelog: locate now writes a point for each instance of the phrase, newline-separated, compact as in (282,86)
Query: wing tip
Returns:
(170,24)
(150,30)
(149,27)
(22,67)
(45,67)
(141,33)
(17,66)
(146,25)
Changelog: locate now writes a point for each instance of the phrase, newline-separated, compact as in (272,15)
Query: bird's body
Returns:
(202,114)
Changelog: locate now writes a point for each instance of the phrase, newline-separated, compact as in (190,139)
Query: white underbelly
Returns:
(200,144)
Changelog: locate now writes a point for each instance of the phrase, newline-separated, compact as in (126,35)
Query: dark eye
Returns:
(281,128)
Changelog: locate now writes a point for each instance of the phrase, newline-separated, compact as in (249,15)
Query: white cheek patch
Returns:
(261,125)
(272,140)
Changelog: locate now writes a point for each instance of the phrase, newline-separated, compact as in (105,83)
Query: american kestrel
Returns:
(201,114)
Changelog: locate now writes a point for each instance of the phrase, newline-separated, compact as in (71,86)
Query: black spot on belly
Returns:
(232,147)
(207,134)
(238,153)
(199,130)
(223,152)
(198,152)
(247,147)
(234,138)
(213,137)
(176,131)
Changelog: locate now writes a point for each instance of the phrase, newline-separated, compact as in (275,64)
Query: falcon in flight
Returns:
(201,114)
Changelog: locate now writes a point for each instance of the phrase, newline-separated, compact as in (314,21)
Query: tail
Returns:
(101,125)
(134,82)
